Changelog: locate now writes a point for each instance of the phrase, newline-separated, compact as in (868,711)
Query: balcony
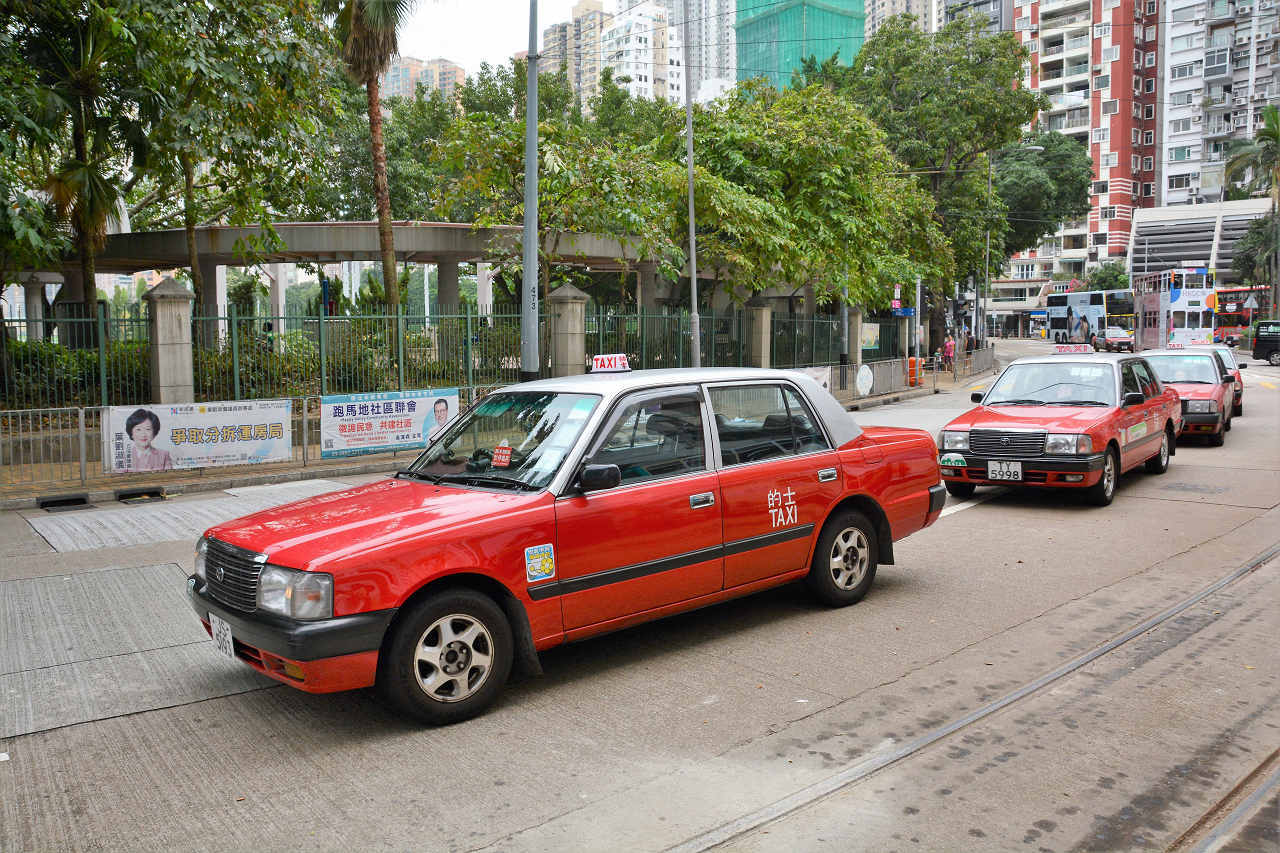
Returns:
(1220,10)
(1052,5)
(1058,23)
(1077,70)
(1067,100)
(1051,51)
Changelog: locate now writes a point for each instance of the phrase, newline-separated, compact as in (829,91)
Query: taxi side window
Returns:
(759,422)
(1146,379)
(1129,379)
(655,437)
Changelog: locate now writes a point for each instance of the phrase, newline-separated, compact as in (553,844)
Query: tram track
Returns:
(866,768)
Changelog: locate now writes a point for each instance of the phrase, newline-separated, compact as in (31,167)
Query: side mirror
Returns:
(593,478)
(1134,398)
(1228,380)
(1241,366)
(975,397)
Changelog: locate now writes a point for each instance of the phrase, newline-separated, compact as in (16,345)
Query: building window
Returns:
(1149,85)
(1149,60)
(1100,134)
(1133,162)
(1188,69)
(1184,152)
(1148,190)
(1151,7)
(1133,137)
(1101,31)
(1148,137)
(1110,108)
(1148,163)
(1109,160)
(1099,239)
(1023,23)
(1149,111)
(1102,81)
(1149,34)
(1137,85)
(1179,182)
(1181,99)
(1110,54)
(1099,187)
(1107,212)
(1180,125)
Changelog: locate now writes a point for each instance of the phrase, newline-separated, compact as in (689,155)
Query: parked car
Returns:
(1074,421)
(1266,343)
(1114,339)
(1204,385)
(1228,356)
(557,510)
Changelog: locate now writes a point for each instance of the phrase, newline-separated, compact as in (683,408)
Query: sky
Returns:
(470,32)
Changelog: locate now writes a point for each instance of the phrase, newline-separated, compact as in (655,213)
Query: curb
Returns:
(896,397)
(207,484)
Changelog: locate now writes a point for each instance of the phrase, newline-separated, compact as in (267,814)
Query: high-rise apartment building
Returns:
(448,76)
(998,12)
(640,46)
(576,44)
(405,74)
(773,37)
(711,57)
(1217,78)
(925,12)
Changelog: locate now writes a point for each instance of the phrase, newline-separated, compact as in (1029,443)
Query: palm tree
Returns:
(1257,161)
(367,31)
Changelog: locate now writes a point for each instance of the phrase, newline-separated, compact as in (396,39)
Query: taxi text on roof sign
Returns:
(614,363)
(1066,348)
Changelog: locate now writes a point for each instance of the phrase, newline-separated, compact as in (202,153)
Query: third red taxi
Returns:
(1205,385)
(1075,420)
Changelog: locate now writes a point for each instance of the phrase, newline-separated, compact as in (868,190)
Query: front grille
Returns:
(995,442)
(241,569)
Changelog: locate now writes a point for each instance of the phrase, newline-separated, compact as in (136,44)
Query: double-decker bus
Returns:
(1077,317)
(1174,307)
(1236,310)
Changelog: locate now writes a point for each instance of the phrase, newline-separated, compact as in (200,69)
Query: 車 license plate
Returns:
(1004,470)
(221,631)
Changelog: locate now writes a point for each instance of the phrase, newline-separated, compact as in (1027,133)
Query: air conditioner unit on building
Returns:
(1244,10)
(1239,100)
(1097,67)
(1193,191)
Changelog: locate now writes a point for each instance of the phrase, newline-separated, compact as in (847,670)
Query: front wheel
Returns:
(449,657)
(1159,463)
(960,490)
(1238,409)
(1274,358)
(1219,438)
(844,564)
(1104,491)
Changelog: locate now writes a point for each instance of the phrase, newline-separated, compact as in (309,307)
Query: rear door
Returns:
(1133,419)
(779,477)
(654,539)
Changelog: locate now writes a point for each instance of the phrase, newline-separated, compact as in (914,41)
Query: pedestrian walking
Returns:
(948,352)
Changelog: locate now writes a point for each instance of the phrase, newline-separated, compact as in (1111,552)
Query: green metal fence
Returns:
(69,360)
(884,340)
(803,340)
(238,357)
(663,340)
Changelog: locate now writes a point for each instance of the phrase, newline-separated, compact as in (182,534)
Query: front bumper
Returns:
(1201,422)
(322,656)
(1036,471)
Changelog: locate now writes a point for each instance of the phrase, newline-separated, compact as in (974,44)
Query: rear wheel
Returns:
(1159,463)
(844,564)
(1274,358)
(449,657)
(1103,492)
(960,490)
(1238,409)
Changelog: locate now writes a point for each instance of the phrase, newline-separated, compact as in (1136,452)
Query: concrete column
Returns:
(33,290)
(72,290)
(904,336)
(855,339)
(447,286)
(172,380)
(810,301)
(484,288)
(213,297)
(647,287)
(760,332)
(568,331)
(279,274)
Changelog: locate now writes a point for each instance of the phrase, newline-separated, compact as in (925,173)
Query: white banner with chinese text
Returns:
(352,424)
(196,435)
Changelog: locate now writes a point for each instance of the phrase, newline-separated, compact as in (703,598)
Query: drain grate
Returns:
(63,503)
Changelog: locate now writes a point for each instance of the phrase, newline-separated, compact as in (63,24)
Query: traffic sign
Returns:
(1252,301)
(903,312)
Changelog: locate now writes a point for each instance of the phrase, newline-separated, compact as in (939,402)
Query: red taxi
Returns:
(559,509)
(1075,420)
(1228,356)
(1205,386)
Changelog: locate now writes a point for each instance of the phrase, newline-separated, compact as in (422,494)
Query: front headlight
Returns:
(299,595)
(202,547)
(1067,445)
(955,440)
(1202,407)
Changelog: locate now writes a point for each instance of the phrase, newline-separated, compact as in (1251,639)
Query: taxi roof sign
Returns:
(1069,348)
(613,363)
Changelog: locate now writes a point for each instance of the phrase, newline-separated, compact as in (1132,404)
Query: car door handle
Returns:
(704,499)
(826,475)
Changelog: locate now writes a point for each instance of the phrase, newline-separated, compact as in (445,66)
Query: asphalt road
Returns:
(1033,674)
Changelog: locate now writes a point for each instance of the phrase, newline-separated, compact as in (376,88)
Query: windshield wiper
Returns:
(1078,403)
(417,475)
(488,480)
(1192,382)
(1017,403)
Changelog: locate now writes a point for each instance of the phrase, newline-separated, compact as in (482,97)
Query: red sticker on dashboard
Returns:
(501,456)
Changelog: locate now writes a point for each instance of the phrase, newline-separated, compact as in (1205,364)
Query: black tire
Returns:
(401,676)
(1226,427)
(960,490)
(844,563)
(1103,492)
(1238,409)
(1219,438)
(1273,358)
(1159,463)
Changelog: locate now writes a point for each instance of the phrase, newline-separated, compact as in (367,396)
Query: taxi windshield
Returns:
(513,440)
(1195,369)
(1062,383)
(1228,357)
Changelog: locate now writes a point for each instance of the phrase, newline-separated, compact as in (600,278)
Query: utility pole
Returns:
(529,359)
(919,311)
(695,325)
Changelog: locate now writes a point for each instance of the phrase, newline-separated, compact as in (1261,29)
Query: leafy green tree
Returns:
(1255,163)
(367,30)
(1042,189)
(1254,254)
(246,291)
(1109,276)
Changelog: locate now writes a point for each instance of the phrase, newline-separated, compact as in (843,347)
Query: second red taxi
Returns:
(1075,421)
(1205,386)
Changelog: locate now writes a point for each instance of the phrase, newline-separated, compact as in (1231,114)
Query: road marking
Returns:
(1266,384)
(977,387)
(972,502)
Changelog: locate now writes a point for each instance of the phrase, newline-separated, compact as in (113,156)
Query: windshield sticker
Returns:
(502,455)
(952,460)
(539,563)
(782,507)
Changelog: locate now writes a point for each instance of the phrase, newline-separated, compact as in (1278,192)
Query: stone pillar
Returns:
(213,296)
(484,289)
(568,331)
(810,302)
(279,274)
(760,331)
(647,288)
(447,286)
(172,380)
(855,339)
(33,289)
(904,336)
